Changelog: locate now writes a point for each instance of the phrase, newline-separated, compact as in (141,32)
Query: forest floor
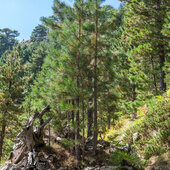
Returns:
(64,155)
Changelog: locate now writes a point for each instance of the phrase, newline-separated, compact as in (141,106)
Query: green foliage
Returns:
(153,128)
(7,39)
(13,80)
(67,143)
(70,60)
(119,158)
(39,34)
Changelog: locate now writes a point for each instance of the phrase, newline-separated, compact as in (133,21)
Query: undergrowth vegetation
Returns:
(151,129)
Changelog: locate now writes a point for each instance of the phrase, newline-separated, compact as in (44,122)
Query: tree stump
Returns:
(25,154)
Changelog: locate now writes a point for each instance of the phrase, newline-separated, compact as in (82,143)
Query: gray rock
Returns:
(104,143)
(99,146)
(89,138)
(51,157)
(135,136)
(132,152)
(125,148)
(58,139)
(127,167)
(155,133)
(89,143)
(109,167)
(112,150)
(89,148)
(89,168)
(92,162)
(62,168)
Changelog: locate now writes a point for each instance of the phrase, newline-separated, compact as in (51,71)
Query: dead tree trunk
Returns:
(24,154)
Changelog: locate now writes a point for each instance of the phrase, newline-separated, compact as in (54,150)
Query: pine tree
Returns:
(12,82)
(149,41)
(7,39)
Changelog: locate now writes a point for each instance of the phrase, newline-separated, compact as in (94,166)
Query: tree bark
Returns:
(161,64)
(2,136)
(89,121)
(77,135)
(108,119)
(95,82)
(133,98)
(161,53)
(73,123)
(49,129)
(154,76)
(77,131)
(90,109)
(83,116)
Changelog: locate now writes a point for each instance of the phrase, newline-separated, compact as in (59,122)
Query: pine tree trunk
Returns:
(161,64)
(95,83)
(77,135)
(154,76)
(49,129)
(89,121)
(133,98)
(108,120)
(73,123)
(90,109)
(109,116)
(3,128)
(161,53)
(83,116)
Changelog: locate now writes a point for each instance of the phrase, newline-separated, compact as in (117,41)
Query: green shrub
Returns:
(152,150)
(119,157)
(67,143)
(153,128)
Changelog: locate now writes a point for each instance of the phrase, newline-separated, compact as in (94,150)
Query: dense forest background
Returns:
(96,67)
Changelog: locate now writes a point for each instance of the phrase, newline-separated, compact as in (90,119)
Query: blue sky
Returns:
(24,15)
